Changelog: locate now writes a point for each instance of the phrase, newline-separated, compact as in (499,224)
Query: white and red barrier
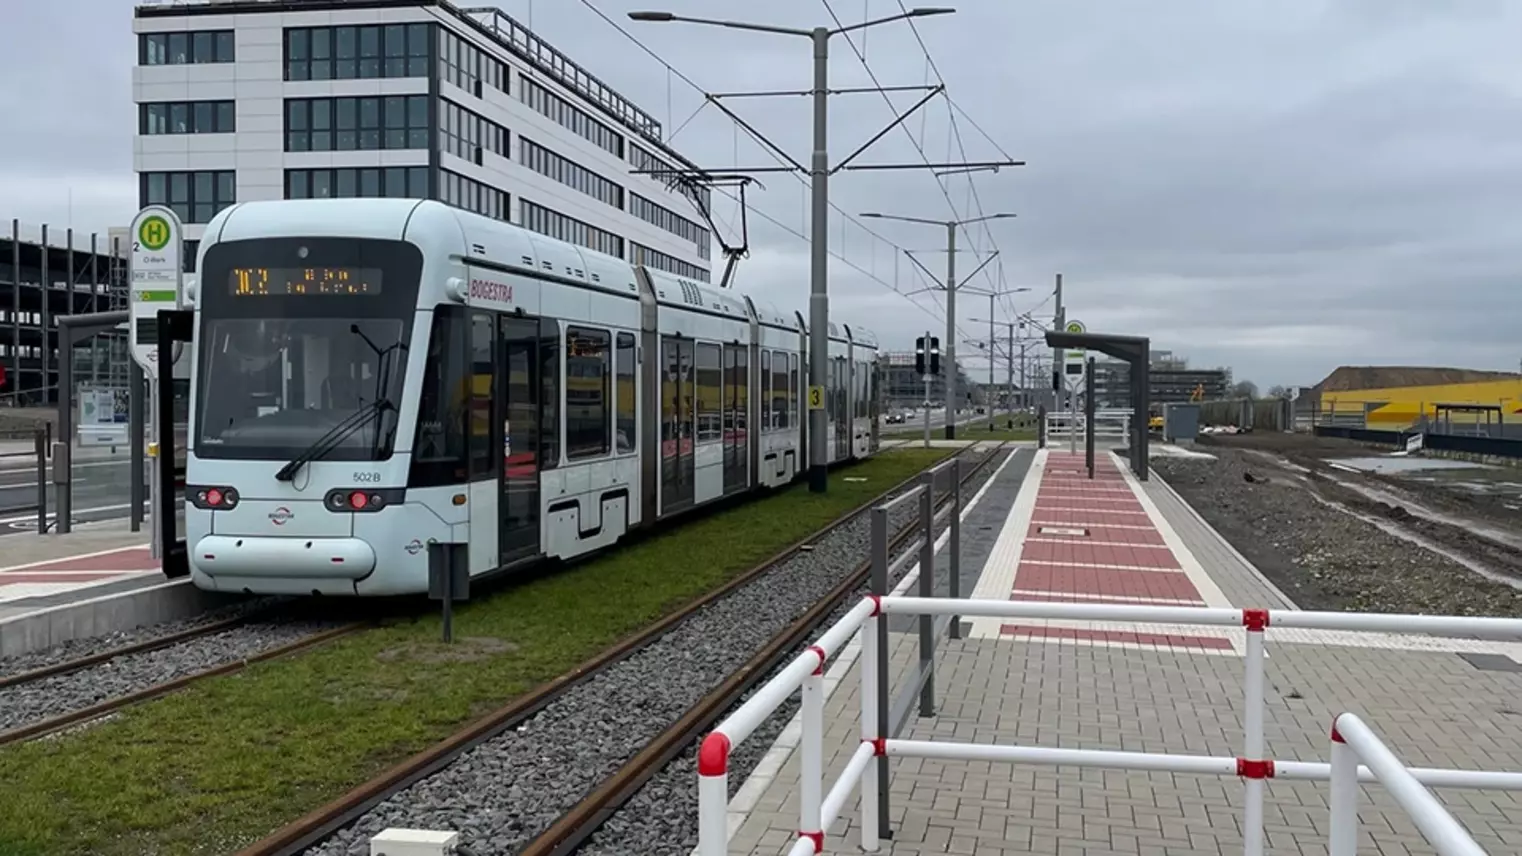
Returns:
(1353,742)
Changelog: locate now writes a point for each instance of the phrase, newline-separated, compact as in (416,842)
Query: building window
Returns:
(472,195)
(469,67)
(568,172)
(187,117)
(643,159)
(195,197)
(625,397)
(194,48)
(397,182)
(357,53)
(356,124)
(669,220)
(545,221)
(588,364)
(566,114)
(643,255)
(466,135)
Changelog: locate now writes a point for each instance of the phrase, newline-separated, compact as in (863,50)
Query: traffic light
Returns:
(935,355)
(919,356)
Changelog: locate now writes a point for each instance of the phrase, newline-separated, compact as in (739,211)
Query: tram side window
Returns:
(439,449)
(792,407)
(626,399)
(710,389)
(549,395)
(765,411)
(588,364)
(778,404)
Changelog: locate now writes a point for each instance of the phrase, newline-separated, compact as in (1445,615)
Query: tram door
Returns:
(677,446)
(520,365)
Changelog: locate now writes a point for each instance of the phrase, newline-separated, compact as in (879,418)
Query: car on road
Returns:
(895,418)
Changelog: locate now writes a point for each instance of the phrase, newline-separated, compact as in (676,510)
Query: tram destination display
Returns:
(303,281)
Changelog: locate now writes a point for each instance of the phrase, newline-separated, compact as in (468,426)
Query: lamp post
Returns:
(951,299)
(819,171)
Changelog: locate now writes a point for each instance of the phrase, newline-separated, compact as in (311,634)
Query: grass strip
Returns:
(229,760)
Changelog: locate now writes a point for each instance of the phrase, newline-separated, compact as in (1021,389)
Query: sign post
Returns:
(156,279)
(1074,371)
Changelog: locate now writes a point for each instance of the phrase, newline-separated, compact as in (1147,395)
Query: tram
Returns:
(375,375)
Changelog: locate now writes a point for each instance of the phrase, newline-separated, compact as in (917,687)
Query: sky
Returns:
(1280,188)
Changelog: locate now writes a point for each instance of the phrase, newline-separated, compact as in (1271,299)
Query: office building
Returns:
(242,100)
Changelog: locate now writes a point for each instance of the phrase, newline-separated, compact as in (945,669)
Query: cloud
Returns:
(1281,188)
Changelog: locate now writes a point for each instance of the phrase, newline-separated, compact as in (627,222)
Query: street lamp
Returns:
(819,172)
(951,297)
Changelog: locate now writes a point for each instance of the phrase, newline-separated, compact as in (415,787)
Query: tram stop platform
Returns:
(1043,532)
(100,578)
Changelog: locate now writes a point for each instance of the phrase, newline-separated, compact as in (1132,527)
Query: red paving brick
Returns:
(1144,584)
(1172,640)
(1081,552)
(1099,534)
(1123,558)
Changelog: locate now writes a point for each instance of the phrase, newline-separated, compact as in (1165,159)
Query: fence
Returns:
(1259,414)
(1111,428)
(820,808)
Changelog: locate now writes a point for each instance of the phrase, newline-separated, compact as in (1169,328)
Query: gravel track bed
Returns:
(1323,558)
(76,648)
(501,794)
(38,700)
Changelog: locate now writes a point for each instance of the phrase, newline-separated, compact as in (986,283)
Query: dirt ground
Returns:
(1488,494)
(1329,546)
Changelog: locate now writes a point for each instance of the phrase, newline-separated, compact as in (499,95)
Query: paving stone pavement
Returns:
(1432,709)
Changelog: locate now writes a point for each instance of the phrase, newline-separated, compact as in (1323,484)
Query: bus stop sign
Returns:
(156,278)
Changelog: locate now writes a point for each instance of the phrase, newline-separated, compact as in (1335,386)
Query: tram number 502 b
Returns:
(367,478)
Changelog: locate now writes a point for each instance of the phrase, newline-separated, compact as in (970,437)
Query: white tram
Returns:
(375,374)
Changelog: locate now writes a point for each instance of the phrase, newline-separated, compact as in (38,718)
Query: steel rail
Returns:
(319,824)
(577,826)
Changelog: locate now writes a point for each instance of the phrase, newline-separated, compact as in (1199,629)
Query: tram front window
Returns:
(271,387)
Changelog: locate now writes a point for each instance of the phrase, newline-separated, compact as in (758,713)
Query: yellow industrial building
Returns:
(1446,397)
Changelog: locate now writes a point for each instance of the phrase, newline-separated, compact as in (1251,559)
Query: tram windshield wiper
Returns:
(335,436)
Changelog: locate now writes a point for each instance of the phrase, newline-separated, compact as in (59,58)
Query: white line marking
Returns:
(76,557)
(1101,567)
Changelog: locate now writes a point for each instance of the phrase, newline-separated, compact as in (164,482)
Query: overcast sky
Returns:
(1277,187)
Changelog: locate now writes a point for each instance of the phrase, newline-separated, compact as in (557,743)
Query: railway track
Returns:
(587,698)
(72,692)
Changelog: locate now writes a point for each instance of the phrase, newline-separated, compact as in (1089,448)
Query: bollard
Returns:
(955,544)
(880,561)
(927,590)
(40,442)
(448,579)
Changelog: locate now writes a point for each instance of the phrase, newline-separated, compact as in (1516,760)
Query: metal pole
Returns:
(926,379)
(63,445)
(880,559)
(1062,320)
(1009,382)
(951,332)
(46,351)
(1088,423)
(135,443)
(927,589)
(992,341)
(154,482)
(16,384)
(956,542)
(819,301)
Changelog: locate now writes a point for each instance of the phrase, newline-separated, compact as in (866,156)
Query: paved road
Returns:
(99,479)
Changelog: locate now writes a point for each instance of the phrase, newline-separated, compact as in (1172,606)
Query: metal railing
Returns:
(820,808)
